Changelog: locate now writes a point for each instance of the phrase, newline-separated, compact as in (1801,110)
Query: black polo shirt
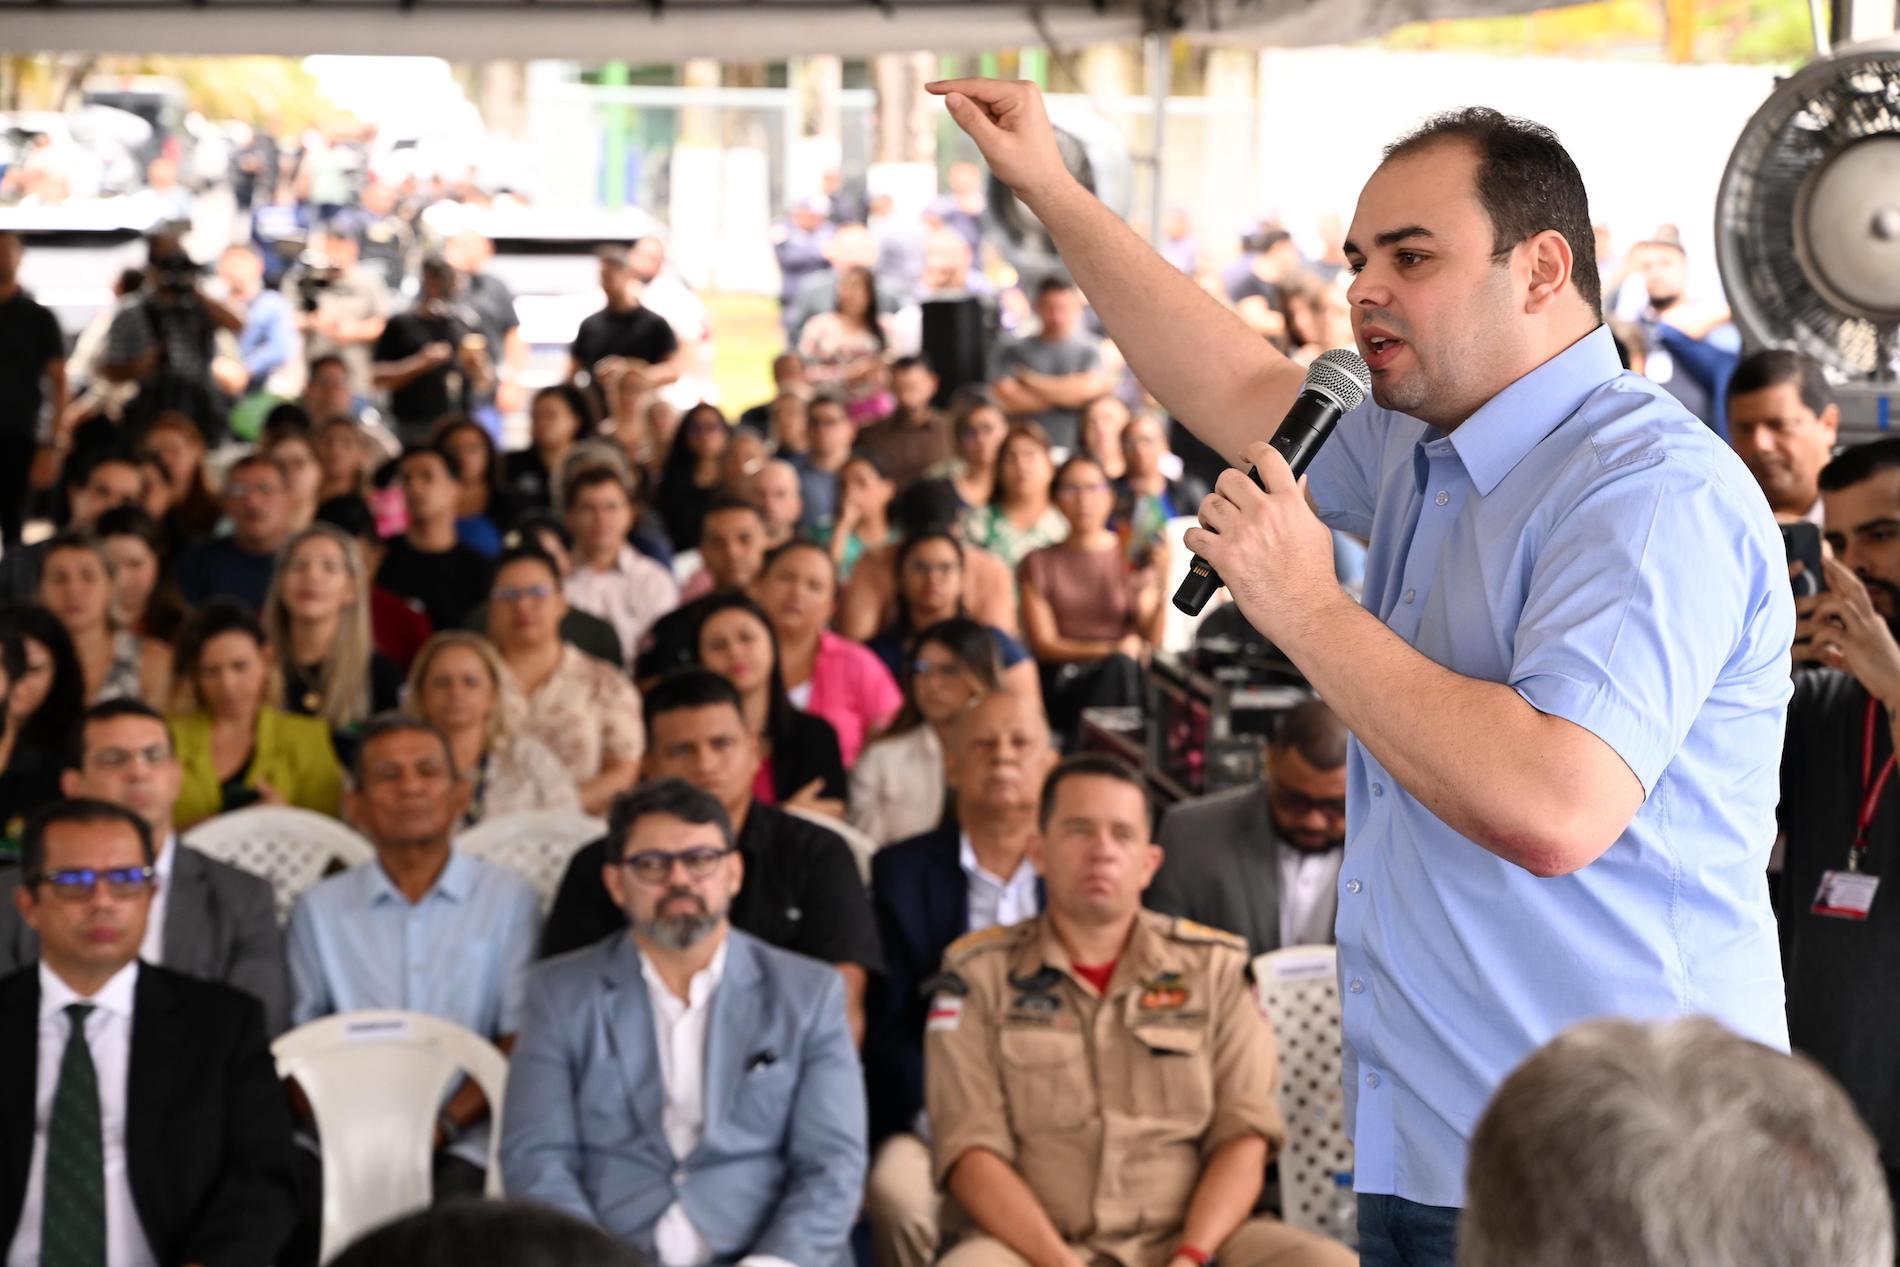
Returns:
(1843,989)
(801,892)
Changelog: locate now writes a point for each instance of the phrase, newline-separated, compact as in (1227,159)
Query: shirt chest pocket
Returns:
(1047,1081)
(1172,1073)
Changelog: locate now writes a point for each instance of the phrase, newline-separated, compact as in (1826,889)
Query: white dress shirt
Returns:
(630,596)
(109,1037)
(679,1031)
(1309,896)
(994,899)
(152,948)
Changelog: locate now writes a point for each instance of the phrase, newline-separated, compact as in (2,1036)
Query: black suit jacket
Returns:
(207,1128)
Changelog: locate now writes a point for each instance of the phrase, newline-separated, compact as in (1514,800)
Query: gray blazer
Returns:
(1221,866)
(220,925)
(780,1167)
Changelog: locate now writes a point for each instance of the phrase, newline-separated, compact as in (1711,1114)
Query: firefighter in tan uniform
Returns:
(1100,1083)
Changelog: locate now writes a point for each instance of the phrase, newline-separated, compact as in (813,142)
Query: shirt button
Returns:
(1378,789)
(1353,886)
(1442,498)
(679,1178)
(1372,1080)
(1410,595)
(1357,986)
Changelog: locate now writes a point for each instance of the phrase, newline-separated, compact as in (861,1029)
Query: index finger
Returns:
(1274,472)
(976,88)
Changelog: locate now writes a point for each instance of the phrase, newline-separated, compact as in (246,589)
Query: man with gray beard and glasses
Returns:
(687,1087)
(1839,813)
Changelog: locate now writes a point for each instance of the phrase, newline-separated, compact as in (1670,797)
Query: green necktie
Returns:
(73,1215)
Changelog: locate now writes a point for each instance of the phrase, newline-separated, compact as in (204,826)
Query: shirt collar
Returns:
(966,857)
(700,988)
(452,884)
(114,997)
(621,566)
(1492,441)
(166,857)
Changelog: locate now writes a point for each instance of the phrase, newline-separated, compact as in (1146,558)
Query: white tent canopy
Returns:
(673,30)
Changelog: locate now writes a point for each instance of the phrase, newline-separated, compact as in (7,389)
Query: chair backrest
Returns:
(292,848)
(537,843)
(376,1082)
(1298,989)
(686,565)
(1177,634)
(861,844)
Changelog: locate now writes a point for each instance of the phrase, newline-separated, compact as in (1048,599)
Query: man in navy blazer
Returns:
(691,1089)
(927,892)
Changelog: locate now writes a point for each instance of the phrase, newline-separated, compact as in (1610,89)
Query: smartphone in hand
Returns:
(1803,542)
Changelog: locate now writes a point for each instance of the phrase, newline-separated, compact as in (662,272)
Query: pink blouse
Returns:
(851,689)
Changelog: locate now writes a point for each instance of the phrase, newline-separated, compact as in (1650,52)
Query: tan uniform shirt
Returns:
(1108,1105)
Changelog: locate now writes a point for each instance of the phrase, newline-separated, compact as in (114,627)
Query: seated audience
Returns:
(143,597)
(540,530)
(1022,517)
(94,483)
(257,501)
(295,452)
(1783,424)
(207,919)
(1104,422)
(344,454)
(744,1138)
(144,1120)
(420,927)
(1108,1013)
(864,513)
(897,786)
(609,578)
(483,507)
(1050,375)
(929,891)
(798,889)
(579,706)
(429,563)
(785,421)
(733,552)
(317,616)
(915,437)
(488,1234)
(459,685)
(235,749)
(76,586)
(689,480)
(46,692)
(175,440)
(780,499)
(398,625)
(843,350)
(827,675)
(1671,1144)
(930,586)
(1089,615)
(558,418)
(799,763)
(744,457)
(988,591)
(832,435)
(979,430)
(1145,498)
(1262,861)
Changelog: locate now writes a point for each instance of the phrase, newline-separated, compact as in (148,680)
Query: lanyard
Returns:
(1871,787)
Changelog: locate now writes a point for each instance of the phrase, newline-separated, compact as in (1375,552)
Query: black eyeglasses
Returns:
(78,883)
(656,865)
(1300,806)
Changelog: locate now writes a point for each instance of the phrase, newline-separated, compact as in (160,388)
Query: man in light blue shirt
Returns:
(1568,682)
(421,928)
(269,338)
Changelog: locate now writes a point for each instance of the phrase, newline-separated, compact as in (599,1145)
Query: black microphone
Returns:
(1335,384)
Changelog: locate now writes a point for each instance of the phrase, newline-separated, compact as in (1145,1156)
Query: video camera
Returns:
(318,275)
(173,278)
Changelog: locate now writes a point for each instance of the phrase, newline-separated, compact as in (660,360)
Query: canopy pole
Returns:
(1160,85)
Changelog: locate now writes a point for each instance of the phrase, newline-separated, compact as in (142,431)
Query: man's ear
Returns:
(1550,263)
(69,783)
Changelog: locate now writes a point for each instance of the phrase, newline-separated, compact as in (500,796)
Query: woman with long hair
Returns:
(143,596)
(864,513)
(689,480)
(76,585)
(41,708)
(317,616)
(174,439)
(929,570)
(485,510)
(1103,421)
(344,453)
(843,350)
(459,684)
(979,429)
(897,787)
(559,417)
(295,453)
(798,753)
(1020,517)
(829,676)
(236,749)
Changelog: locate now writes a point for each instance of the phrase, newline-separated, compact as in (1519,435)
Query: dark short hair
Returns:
(75,810)
(1098,764)
(437,265)
(903,363)
(219,616)
(676,798)
(397,723)
(925,507)
(529,524)
(593,477)
(111,710)
(1051,284)
(1313,730)
(1526,182)
(689,688)
(1771,367)
(440,452)
(323,362)
(727,502)
(797,544)
(1861,462)
(488,1234)
(79,470)
(131,521)
(524,553)
(350,513)
(256,457)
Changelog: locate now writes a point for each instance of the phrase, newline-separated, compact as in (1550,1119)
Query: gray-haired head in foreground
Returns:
(1676,1144)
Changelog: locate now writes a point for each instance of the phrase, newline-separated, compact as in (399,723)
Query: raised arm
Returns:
(1200,360)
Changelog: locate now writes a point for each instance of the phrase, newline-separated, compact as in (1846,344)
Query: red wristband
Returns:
(1199,1257)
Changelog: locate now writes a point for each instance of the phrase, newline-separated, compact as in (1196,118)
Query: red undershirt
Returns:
(1097,977)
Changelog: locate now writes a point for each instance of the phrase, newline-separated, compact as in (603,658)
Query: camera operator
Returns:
(163,342)
(432,360)
(342,305)
(268,342)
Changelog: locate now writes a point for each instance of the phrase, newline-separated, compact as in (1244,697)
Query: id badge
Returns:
(1846,894)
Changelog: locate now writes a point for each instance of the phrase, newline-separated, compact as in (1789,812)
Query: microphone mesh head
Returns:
(1341,374)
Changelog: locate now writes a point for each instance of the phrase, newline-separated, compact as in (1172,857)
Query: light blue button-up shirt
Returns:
(1584,539)
(461,953)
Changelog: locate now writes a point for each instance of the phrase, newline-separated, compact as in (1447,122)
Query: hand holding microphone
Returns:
(1335,384)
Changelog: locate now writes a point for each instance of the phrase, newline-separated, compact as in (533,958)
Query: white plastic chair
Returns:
(292,848)
(1298,989)
(686,565)
(1177,634)
(536,843)
(376,1082)
(860,843)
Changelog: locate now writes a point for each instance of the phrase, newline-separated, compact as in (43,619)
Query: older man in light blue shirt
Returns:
(1568,681)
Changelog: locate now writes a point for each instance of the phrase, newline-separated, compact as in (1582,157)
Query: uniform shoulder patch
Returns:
(1188,930)
(995,937)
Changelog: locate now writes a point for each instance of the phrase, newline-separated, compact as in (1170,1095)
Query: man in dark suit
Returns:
(141,1120)
(208,919)
(928,891)
(1262,861)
